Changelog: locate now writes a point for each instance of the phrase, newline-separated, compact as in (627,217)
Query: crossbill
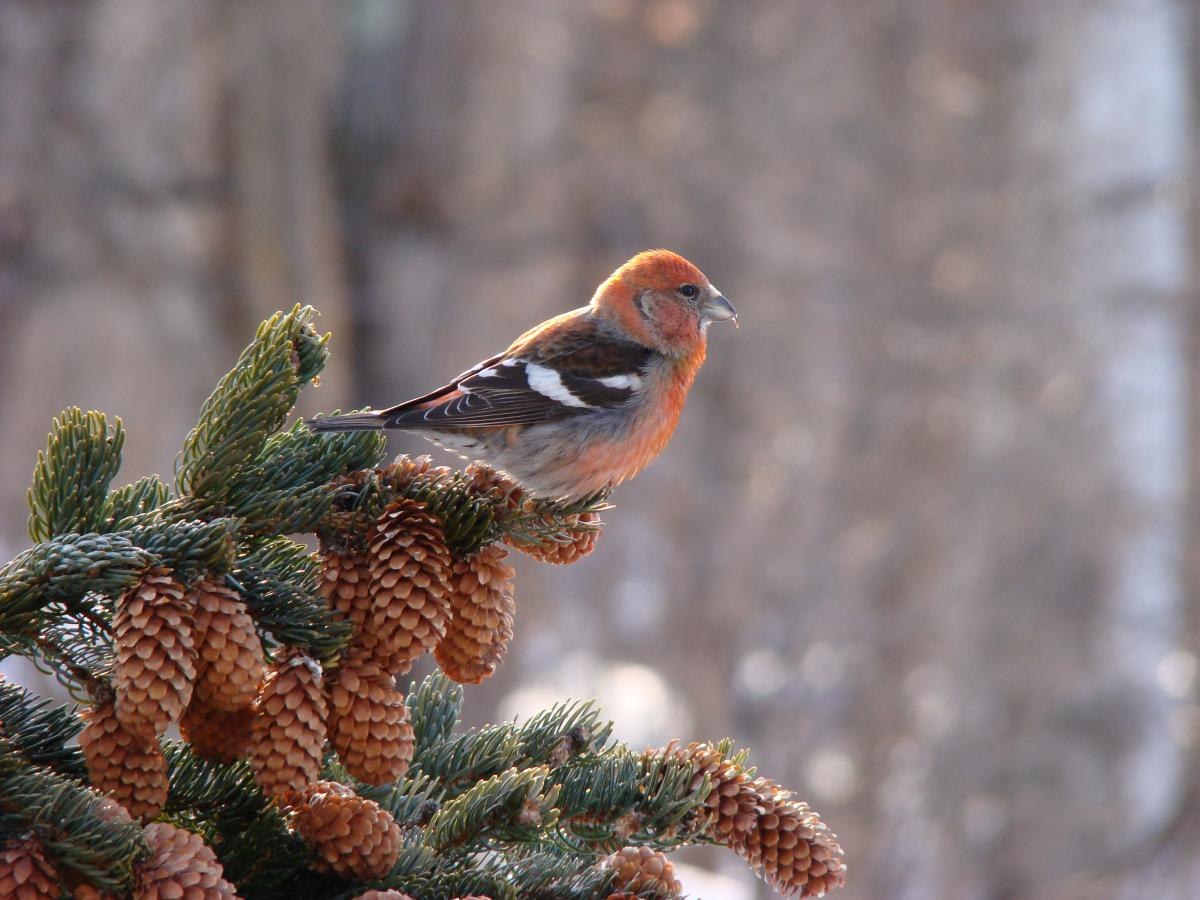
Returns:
(584,400)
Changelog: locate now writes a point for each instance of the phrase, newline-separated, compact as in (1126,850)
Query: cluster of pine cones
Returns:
(180,864)
(191,655)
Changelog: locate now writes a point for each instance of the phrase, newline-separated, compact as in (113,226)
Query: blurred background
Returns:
(928,537)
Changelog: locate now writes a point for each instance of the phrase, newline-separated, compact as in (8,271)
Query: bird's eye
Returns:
(689,290)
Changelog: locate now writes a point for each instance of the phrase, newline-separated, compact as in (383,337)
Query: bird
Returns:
(583,401)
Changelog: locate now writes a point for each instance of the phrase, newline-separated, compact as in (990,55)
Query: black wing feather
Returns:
(498,392)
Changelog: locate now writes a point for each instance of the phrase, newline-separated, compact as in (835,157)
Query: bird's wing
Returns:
(554,374)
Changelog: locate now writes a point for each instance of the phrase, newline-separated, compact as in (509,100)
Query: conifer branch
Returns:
(39,730)
(126,505)
(434,707)
(71,477)
(250,403)
(66,568)
(514,805)
(158,607)
(73,822)
(278,579)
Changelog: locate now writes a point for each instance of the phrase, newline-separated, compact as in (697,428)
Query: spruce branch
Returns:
(464,759)
(250,403)
(265,859)
(472,515)
(125,506)
(541,521)
(210,797)
(72,475)
(434,707)
(516,805)
(39,730)
(66,568)
(197,589)
(563,731)
(623,797)
(75,824)
(278,579)
(189,547)
(76,648)
(542,873)
(292,482)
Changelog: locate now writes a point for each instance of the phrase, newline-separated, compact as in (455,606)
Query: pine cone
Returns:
(27,873)
(127,765)
(368,723)
(400,474)
(288,733)
(732,802)
(485,480)
(405,469)
(352,836)
(230,652)
(410,563)
(790,846)
(346,584)
(383,895)
(640,869)
(112,811)
(223,737)
(180,865)
(481,616)
(580,541)
(85,891)
(155,654)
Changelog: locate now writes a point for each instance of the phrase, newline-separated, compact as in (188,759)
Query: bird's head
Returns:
(663,301)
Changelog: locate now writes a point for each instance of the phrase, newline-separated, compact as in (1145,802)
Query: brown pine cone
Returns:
(383,895)
(640,869)
(85,891)
(790,847)
(223,737)
(155,653)
(352,836)
(112,811)
(127,765)
(27,873)
(181,865)
(230,653)
(368,723)
(579,544)
(732,802)
(481,616)
(486,480)
(405,469)
(346,584)
(410,564)
(288,732)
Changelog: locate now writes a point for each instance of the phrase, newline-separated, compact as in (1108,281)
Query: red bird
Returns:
(584,400)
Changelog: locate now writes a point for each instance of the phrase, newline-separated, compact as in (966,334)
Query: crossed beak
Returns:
(718,309)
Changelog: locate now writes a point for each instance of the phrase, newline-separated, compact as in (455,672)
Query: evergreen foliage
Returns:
(507,810)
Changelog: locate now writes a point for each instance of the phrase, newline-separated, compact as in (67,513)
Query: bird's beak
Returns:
(718,309)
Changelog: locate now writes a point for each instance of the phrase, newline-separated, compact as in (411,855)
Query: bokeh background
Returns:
(928,537)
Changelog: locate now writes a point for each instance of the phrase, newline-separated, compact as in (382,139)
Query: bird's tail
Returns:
(359,421)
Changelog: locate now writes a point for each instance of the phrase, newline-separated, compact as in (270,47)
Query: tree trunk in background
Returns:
(163,185)
(1173,869)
